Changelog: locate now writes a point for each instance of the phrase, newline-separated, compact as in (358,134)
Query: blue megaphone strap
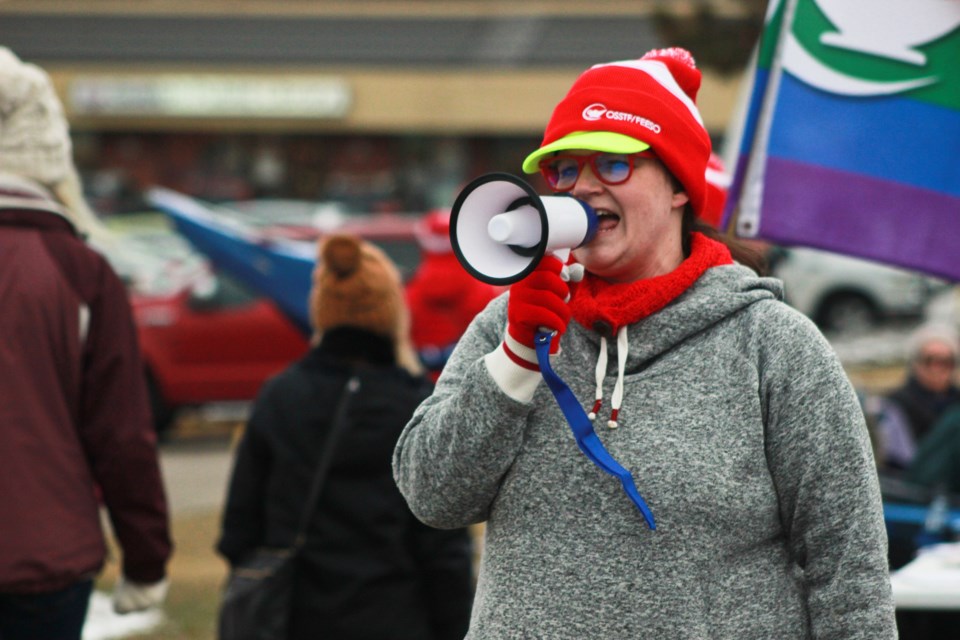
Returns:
(582,428)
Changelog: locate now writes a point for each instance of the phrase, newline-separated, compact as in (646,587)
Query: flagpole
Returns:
(756,116)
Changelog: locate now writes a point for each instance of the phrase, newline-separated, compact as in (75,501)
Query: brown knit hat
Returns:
(356,285)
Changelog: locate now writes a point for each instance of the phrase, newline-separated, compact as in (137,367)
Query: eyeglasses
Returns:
(562,171)
(930,360)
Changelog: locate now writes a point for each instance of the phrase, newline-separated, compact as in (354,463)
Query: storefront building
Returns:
(375,105)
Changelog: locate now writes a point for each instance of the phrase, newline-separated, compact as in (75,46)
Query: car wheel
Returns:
(847,313)
(162,412)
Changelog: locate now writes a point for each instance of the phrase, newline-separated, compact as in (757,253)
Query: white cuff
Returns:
(514,380)
(521,350)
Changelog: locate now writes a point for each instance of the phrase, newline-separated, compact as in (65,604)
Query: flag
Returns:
(851,138)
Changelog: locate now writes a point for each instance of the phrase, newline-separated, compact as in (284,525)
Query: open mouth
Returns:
(606,220)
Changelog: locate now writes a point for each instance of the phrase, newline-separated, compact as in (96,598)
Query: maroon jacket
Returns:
(75,422)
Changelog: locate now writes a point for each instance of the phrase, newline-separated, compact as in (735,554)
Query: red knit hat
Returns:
(718,182)
(632,105)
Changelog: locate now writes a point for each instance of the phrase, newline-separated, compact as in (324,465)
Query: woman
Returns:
(369,569)
(738,424)
(912,409)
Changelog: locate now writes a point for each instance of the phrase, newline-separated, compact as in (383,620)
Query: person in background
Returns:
(753,509)
(369,570)
(75,425)
(936,464)
(911,410)
(443,298)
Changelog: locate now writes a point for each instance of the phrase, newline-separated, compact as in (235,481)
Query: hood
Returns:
(26,203)
(718,294)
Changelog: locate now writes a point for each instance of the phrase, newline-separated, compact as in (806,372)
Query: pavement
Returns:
(196,472)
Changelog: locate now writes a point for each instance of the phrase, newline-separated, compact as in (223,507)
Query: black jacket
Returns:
(369,569)
(922,406)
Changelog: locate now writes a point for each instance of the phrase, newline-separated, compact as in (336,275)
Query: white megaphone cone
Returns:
(501,228)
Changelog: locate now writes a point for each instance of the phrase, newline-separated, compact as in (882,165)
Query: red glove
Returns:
(537,302)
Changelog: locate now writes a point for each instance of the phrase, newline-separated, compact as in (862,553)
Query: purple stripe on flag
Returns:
(857,215)
(888,137)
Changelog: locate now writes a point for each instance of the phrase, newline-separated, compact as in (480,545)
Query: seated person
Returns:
(911,410)
(937,461)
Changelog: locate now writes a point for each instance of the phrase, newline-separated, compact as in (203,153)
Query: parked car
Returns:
(271,245)
(210,342)
(846,294)
(204,337)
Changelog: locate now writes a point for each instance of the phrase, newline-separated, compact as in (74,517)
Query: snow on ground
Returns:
(103,624)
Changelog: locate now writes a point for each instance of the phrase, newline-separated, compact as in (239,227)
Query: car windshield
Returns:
(151,258)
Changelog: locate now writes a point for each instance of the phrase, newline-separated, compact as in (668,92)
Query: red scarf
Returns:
(605,306)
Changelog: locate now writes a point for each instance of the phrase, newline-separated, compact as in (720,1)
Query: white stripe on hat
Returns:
(718,178)
(661,74)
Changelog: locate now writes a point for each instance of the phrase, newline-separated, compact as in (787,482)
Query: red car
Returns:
(209,344)
(206,338)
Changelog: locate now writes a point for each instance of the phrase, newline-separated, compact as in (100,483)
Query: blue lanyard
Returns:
(582,428)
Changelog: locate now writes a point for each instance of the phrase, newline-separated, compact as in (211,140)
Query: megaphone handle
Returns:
(567,274)
(570,272)
(582,429)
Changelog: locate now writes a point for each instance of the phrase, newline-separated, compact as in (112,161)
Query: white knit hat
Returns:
(35,138)
(933,332)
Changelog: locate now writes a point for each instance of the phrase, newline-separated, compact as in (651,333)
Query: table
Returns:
(931,581)
(927,594)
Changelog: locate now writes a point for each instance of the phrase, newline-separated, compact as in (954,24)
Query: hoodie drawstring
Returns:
(600,373)
(616,401)
(582,428)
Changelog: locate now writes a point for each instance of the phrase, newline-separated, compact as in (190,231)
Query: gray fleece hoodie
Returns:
(746,440)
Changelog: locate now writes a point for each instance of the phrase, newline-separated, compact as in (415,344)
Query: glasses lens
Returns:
(612,169)
(561,173)
(929,360)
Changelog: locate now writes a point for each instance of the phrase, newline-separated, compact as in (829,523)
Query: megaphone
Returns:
(500,228)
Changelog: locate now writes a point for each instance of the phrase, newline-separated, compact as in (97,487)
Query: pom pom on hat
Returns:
(645,103)
(682,66)
(356,285)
